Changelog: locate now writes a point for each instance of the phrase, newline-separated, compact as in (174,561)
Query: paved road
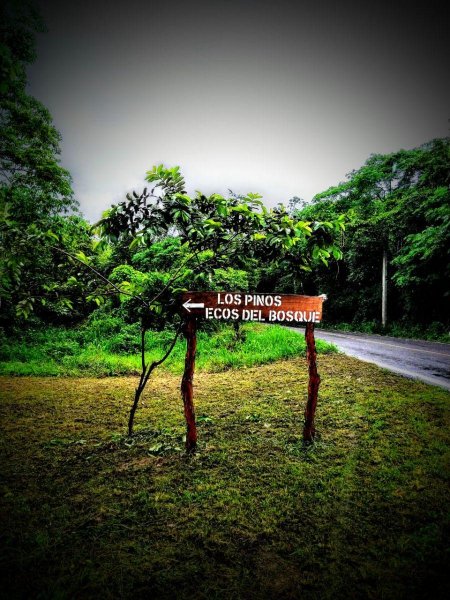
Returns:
(427,361)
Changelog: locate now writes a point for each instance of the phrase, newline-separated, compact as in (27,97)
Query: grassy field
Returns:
(362,513)
(109,347)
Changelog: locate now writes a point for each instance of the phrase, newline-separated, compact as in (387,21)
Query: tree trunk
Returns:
(313,384)
(140,387)
(187,389)
(145,374)
(137,395)
(384,290)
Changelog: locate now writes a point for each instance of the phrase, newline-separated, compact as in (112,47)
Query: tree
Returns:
(29,146)
(34,189)
(209,230)
(399,204)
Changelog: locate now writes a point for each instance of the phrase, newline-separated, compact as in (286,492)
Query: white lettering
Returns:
(262,300)
(229,299)
(253,314)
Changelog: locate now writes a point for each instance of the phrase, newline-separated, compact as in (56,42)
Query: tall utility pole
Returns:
(384,290)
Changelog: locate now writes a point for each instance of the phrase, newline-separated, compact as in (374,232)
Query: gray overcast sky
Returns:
(282,98)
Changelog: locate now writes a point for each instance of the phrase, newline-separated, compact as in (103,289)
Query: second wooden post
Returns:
(313,384)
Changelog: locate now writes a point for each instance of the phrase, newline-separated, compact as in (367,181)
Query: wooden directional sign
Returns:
(240,306)
(266,308)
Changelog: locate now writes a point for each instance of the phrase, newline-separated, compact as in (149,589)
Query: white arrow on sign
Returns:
(188,305)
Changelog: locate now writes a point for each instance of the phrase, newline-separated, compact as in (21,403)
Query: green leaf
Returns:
(51,235)
(212,223)
(136,242)
(253,196)
(82,257)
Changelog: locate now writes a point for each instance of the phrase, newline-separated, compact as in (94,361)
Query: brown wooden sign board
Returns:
(266,308)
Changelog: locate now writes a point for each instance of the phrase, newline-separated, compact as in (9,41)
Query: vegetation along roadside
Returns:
(108,346)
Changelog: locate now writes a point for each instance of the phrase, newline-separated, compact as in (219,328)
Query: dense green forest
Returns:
(398,204)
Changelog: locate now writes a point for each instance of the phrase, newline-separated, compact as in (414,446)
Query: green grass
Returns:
(436,331)
(114,351)
(362,513)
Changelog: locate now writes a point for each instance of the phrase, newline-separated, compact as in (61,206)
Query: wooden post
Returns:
(313,384)
(187,390)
